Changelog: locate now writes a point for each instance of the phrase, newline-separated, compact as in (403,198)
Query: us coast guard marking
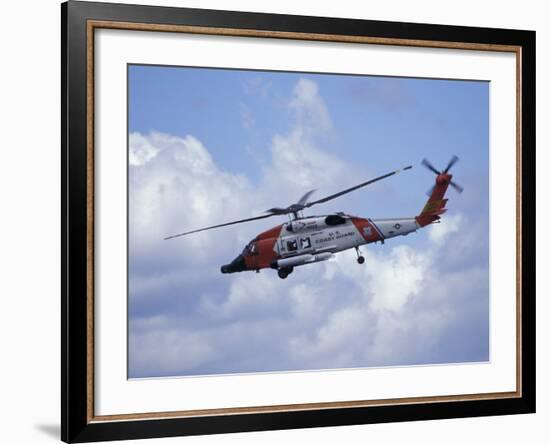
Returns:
(308,239)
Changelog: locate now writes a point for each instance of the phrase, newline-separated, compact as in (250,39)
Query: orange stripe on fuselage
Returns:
(366,229)
(274,232)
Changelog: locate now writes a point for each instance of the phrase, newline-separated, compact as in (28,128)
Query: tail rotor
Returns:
(443,175)
(435,206)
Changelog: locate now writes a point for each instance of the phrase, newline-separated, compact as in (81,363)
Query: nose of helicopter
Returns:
(237,264)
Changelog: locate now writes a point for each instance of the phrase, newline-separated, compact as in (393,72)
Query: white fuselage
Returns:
(314,235)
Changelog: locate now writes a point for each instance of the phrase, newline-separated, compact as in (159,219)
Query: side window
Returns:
(292,245)
(305,243)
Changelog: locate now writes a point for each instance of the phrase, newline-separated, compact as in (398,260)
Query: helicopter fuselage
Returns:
(315,239)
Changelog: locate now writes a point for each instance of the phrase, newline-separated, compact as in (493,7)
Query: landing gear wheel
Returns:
(283,273)
(360,259)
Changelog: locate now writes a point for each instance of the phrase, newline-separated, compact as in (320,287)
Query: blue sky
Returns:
(210,145)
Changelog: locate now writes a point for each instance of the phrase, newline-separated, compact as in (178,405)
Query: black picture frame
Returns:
(76,326)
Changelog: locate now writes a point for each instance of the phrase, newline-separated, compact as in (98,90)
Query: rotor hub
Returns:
(443,179)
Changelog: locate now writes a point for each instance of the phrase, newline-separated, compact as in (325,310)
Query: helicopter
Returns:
(306,240)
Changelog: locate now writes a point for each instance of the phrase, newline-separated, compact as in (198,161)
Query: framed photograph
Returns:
(275,221)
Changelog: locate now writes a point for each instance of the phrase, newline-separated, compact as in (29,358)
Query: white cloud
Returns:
(141,150)
(448,225)
(308,303)
(250,295)
(389,278)
(340,328)
(298,164)
(395,277)
(180,189)
(309,107)
(175,350)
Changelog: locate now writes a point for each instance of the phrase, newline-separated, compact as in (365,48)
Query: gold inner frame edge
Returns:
(97,24)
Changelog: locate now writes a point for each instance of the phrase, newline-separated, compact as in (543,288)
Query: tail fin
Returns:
(435,206)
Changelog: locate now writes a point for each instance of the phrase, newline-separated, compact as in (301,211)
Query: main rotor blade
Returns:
(428,165)
(453,160)
(349,190)
(220,225)
(305,197)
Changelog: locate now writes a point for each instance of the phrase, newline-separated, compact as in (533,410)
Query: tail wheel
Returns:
(361,260)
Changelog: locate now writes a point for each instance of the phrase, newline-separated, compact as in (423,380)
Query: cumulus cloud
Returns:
(309,107)
(177,350)
(396,277)
(179,188)
(448,225)
(404,306)
(142,150)
(298,163)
